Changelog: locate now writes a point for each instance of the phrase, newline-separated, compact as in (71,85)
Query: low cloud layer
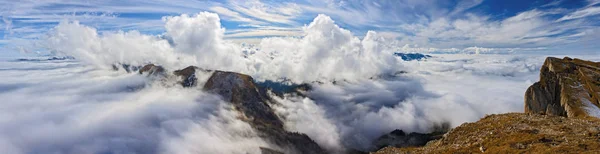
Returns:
(72,107)
(65,107)
(444,90)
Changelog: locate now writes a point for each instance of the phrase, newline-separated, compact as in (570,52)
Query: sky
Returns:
(561,26)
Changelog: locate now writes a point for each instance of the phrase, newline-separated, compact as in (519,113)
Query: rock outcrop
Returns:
(242,92)
(567,87)
(188,76)
(152,70)
(128,68)
(516,133)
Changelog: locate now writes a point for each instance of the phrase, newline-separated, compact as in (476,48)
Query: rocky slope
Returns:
(242,92)
(516,133)
(567,87)
(247,98)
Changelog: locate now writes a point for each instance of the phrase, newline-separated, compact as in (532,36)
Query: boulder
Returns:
(242,92)
(567,87)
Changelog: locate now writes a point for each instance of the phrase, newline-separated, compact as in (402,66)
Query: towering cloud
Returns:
(324,52)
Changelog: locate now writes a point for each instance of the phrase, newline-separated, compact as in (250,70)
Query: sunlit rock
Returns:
(242,92)
(567,87)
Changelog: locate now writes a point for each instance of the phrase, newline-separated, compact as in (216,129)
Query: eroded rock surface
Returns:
(567,87)
(242,92)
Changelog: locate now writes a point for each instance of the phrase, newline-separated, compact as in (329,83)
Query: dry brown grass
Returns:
(517,133)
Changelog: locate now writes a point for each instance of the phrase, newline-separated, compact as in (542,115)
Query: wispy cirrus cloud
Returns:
(233,16)
(276,13)
(431,24)
(590,11)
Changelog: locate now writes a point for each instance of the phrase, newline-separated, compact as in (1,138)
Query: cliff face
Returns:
(567,87)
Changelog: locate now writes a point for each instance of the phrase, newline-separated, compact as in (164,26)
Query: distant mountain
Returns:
(411,56)
(46,59)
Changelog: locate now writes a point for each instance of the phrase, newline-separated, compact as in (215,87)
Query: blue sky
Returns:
(521,25)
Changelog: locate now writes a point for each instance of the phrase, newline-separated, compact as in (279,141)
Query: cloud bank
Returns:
(447,90)
(324,52)
(66,107)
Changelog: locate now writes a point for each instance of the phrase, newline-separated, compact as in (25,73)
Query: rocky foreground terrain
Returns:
(561,116)
(516,133)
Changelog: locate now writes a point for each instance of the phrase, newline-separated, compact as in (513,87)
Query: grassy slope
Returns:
(517,133)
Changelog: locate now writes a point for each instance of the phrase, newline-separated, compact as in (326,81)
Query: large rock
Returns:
(567,87)
(242,92)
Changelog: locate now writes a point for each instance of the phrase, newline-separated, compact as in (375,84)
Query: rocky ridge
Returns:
(247,98)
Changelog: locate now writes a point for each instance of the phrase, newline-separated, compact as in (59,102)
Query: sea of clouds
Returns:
(82,106)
